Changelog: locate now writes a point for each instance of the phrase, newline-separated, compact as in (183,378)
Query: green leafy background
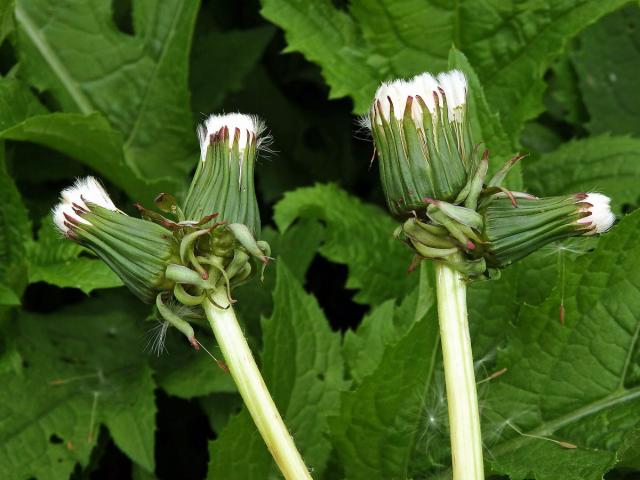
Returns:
(347,340)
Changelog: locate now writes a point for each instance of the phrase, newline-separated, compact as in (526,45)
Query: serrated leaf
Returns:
(303,368)
(379,421)
(604,164)
(607,57)
(571,382)
(358,235)
(509,44)
(384,326)
(59,261)
(139,81)
(82,366)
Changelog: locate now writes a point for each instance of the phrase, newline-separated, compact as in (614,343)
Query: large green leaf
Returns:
(88,139)
(82,367)
(59,261)
(573,381)
(358,235)
(607,58)
(138,82)
(604,164)
(302,366)
(380,421)
(510,44)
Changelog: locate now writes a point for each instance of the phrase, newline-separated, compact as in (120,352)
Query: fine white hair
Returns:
(601,217)
(250,126)
(84,190)
(451,85)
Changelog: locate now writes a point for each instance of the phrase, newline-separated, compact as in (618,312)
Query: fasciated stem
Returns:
(462,399)
(251,386)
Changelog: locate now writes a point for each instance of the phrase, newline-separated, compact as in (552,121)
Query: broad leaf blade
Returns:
(82,366)
(379,423)
(139,82)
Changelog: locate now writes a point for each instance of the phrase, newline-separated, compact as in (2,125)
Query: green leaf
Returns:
(296,247)
(358,235)
(57,260)
(607,57)
(90,140)
(216,59)
(604,164)
(330,38)
(138,82)
(384,326)
(15,232)
(185,373)
(510,45)
(8,297)
(571,382)
(379,422)
(303,368)
(82,367)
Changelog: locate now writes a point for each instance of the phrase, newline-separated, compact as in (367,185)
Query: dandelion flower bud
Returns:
(138,251)
(513,232)
(600,216)
(423,140)
(223,182)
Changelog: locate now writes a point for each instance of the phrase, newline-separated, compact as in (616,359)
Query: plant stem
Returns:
(252,388)
(462,399)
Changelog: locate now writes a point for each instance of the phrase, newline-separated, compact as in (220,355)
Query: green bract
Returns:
(513,232)
(223,182)
(436,182)
(138,251)
(183,259)
(423,140)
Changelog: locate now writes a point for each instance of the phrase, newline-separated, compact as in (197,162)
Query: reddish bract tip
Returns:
(581,195)
(470,245)
(205,275)
(407,106)
(562,313)
(430,200)
(265,259)
(222,365)
(194,343)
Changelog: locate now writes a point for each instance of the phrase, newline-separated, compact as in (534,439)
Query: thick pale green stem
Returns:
(244,370)
(462,399)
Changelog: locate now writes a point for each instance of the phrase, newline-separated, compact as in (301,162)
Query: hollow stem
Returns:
(252,388)
(462,399)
